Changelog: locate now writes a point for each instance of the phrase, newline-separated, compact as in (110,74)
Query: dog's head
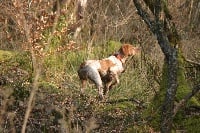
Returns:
(128,50)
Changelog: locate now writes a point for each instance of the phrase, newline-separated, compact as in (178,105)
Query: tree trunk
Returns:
(167,39)
(173,73)
(168,106)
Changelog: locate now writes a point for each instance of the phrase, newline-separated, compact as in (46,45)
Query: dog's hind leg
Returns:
(99,84)
(94,76)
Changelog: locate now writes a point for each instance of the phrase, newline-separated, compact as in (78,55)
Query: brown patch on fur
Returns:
(106,64)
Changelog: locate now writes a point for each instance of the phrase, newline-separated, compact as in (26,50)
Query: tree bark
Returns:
(162,31)
(168,106)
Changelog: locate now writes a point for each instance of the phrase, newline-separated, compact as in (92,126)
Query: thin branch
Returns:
(36,71)
(30,101)
(140,103)
(182,103)
(156,28)
(54,27)
(36,65)
(143,14)
(191,7)
(192,62)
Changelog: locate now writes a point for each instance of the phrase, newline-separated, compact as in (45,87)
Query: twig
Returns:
(126,100)
(31,97)
(36,71)
(193,62)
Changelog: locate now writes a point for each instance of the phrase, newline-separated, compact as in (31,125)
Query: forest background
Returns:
(43,42)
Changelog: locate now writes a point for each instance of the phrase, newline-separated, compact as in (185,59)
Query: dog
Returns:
(105,73)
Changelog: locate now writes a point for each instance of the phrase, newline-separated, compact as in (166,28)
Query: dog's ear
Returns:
(128,49)
(124,50)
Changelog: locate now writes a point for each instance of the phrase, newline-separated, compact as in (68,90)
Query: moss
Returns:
(5,55)
(121,106)
(183,86)
(10,60)
(154,109)
(191,124)
(15,73)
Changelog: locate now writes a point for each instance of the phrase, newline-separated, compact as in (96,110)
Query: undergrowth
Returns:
(132,106)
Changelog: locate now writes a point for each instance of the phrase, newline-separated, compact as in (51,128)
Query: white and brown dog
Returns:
(105,73)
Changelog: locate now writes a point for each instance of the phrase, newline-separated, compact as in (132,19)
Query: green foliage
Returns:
(58,38)
(112,46)
(191,124)
(60,79)
(50,87)
(5,57)
(62,23)
(15,70)
(118,114)
(16,65)
(74,59)
(58,104)
(20,92)
(183,86)
(23,60)
(54,62)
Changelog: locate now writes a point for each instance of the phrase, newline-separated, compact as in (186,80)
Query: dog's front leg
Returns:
(115,81)
(107,86)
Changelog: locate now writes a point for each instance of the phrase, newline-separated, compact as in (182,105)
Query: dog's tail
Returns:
(82,65)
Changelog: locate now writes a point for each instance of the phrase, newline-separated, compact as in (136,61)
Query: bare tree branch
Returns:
(182,102)
(143,14)
(157,28)
(36,71)
(140,103)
